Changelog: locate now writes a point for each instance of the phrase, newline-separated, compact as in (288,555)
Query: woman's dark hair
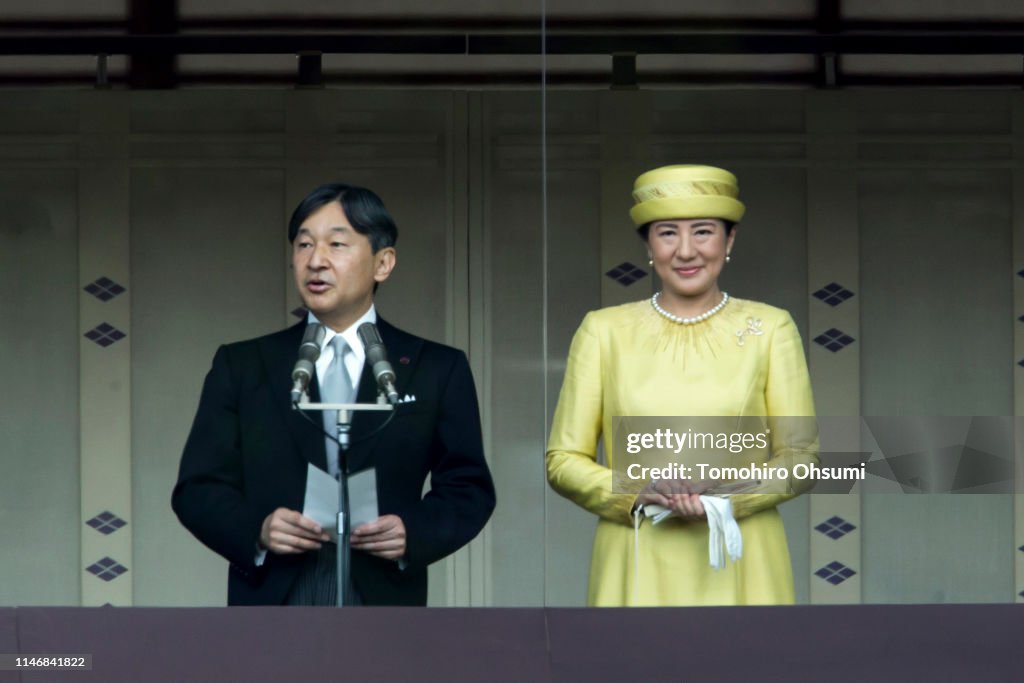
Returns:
(645,229)
(364,209)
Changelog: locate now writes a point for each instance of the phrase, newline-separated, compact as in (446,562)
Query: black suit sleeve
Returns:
(461,496)
(208,497)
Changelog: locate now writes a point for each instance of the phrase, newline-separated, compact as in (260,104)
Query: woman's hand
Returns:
(679,495)
(688,506)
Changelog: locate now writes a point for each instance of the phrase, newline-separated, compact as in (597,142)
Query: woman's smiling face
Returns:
(688,256)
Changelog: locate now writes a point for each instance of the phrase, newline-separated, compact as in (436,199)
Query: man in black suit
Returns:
(242,478)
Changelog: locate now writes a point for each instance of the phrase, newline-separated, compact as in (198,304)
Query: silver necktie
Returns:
(336,387)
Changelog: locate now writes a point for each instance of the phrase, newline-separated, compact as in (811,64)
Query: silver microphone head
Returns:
(377,356)
(369,335)
(309,351)
(312,342)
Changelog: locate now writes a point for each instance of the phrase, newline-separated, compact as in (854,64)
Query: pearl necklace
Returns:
(690,321)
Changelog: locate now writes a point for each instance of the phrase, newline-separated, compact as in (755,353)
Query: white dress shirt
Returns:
(354,361)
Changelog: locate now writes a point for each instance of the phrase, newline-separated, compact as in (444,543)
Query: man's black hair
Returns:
(364,209)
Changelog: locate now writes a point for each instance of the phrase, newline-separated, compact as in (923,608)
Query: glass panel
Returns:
(39,408)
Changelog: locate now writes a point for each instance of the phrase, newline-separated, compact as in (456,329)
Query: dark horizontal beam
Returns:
(790,43)
(614,24)
(608,24)
(558,43)
(211,44)
(531,79)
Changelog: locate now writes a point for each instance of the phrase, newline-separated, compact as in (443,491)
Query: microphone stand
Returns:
(344,427)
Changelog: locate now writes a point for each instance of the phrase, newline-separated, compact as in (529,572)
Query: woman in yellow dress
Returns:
(691,350)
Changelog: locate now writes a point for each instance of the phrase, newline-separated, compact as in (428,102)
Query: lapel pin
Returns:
(404,360)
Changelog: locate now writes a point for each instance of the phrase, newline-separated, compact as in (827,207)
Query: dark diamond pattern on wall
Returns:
(834,340)
(104,289)
(835,527)
(833,294)
(106,522)
(626,273)
(835,573)
(105,334)
(107,569)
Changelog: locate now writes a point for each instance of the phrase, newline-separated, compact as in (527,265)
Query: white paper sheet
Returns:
(321,503)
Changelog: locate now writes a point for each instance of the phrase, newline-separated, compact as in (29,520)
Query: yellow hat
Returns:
(686,191)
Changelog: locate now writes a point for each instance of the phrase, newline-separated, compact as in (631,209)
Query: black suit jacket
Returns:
(248,450)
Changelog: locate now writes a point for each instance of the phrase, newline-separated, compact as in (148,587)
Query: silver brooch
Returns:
(753,330)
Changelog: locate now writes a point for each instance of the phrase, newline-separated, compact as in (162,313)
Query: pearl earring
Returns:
(650,262)
(727,258)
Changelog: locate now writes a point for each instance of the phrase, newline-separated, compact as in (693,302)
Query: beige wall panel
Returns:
(625,119)
(574,286)
(207,269)
(935,247)
(223,114)
(105,379)
(39,491)
(512,251)
(937,549)
(935,250)
(833,258)
(769,257)
(913,112)
(515,403)
(359,115)
(37,113)
(719,114)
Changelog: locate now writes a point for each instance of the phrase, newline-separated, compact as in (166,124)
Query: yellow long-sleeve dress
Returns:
(746,360)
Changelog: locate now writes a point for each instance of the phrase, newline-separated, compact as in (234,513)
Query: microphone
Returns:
(309,351)
(377,356)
